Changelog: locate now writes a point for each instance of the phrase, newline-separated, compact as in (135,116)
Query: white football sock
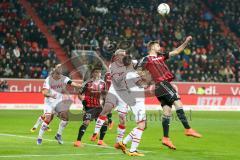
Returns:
(129,137)
(99,123)
(39,121)
(120,133)
(61,126)
(136,139)
(42,130)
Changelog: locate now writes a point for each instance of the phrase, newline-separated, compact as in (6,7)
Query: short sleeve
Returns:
(67,80)
(46,84)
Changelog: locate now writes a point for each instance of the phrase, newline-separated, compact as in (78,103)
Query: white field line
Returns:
(55,155)
(51,140)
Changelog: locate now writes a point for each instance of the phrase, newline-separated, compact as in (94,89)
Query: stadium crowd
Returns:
(95,23)
(229,12)
(24,51)
(211,56)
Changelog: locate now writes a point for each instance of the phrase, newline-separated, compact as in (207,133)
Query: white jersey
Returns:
(132,78)
(137,93)
(55,87)
(118,74)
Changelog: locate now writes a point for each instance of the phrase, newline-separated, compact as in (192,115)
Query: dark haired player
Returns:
(154,63)
(94,91)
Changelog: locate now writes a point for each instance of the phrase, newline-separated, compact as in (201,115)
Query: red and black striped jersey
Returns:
(93,89)
(108,80)
(157,67)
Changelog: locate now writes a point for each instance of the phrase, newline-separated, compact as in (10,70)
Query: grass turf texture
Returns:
(220,140)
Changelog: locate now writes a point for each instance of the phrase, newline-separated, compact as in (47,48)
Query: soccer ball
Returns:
(163,9)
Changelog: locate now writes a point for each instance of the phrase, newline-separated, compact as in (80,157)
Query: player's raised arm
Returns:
(181,47)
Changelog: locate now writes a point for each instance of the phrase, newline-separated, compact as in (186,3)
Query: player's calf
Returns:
(43,128)
(81,132)
(102,118)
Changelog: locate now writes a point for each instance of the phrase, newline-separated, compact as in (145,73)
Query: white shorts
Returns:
(57,106)
(115,98)
(48,109)
(139,110)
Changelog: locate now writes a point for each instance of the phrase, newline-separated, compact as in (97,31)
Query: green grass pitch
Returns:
(221,139)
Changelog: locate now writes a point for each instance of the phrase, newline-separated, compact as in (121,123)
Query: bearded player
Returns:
(154,63)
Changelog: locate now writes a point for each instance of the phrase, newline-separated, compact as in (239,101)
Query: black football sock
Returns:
(165,124)
(109,118)
(103,132)
(183,118)
(81,131)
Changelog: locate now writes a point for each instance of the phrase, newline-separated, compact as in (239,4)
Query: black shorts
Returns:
(165,93)
(91,113)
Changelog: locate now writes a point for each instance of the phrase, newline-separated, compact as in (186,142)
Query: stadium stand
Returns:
(92,24)
(229,12)
(24,51)
(211,56)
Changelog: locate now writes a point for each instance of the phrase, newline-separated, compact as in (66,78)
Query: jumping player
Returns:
(154,63)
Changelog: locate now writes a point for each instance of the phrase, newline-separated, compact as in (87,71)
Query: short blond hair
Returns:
(118,51)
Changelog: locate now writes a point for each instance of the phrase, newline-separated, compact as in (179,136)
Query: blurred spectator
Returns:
(3,85)
(229,11)
(23,48)
(77,23)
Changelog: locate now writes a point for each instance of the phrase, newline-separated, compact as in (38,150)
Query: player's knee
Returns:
(178,104)
(142,125)
(167,111)
(86,123)
(63,116)
(105,123)
(47,118)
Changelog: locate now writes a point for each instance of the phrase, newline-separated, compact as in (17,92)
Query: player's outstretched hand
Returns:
(189,38)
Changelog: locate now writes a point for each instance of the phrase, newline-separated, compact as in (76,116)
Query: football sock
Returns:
(103,132)
(129,137)
(120,132)
(136,139)
(81,131)
(109,118)
(99,123)
(39,121)
(61,126)
(42,129)
(182,118)
(165,125)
